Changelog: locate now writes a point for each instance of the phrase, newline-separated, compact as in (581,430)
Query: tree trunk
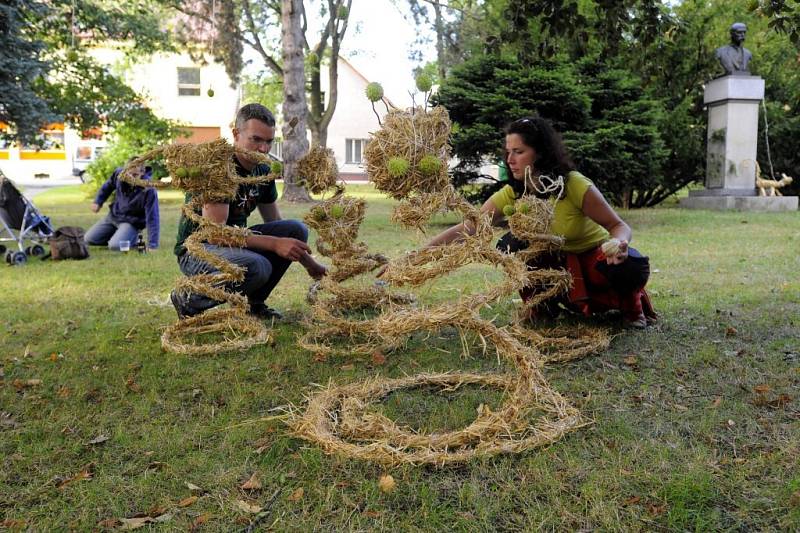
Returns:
(439,25)
(295,144)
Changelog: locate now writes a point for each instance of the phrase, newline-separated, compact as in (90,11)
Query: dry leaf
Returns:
(656,510)
(186,502)
(20,384)
(83,475)
(378,358)
(320,357)
(132,386)
(100,439)
(136,523)
(54,357)
(631,360)
(248,507)
(157,511)
(297,495)
(13,524)
(157,465)
(372,514)
(252,484)
(780,401)
(64,392)
(387,484)
(716,403)
(730,331)
(680,407)
(762,389)
(109,523)
(794,499)
(633,500)
(199,521)
(194,488)
(347,367)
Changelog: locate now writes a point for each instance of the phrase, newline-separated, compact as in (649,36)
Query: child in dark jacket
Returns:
(133,209)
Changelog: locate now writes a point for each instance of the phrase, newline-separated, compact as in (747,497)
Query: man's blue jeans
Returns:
(263,270)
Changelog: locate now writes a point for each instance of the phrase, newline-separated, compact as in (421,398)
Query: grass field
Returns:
(696,422)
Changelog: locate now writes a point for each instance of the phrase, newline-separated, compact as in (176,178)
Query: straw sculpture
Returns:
(336,304)
(208,173)
(318,169)
(339,418)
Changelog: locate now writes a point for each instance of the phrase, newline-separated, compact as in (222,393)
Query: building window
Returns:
(188,81)
(354,149)
(276,150)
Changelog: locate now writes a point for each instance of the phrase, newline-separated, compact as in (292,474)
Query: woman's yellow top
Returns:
(580,232)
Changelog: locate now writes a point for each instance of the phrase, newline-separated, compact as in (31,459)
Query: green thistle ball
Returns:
(337,211)
(397,167)
(429,165)
(181,173)
(195,172)
(211,93)
(524,209)
(72,56)
(312,58)
(424,83)
(342,13)
(374,91)
(276,167)
(509,210)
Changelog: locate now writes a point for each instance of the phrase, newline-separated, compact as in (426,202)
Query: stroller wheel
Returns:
(16,258)
(36,250)
(2,249)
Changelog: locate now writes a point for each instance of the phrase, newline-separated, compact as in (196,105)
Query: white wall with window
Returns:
(353,120)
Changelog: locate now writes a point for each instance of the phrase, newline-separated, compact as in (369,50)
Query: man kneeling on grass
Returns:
(274,245)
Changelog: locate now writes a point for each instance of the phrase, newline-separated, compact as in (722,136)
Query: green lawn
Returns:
(696,422)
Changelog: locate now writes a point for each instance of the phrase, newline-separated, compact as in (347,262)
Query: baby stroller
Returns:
(18,214)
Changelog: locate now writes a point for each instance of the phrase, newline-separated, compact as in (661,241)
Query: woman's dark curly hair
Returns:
(551,155)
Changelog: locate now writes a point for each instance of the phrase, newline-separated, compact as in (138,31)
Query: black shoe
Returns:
(264,312)
(181,307)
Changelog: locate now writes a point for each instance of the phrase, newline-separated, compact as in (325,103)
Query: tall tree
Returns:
(255,24)
(295,143)
(47,74)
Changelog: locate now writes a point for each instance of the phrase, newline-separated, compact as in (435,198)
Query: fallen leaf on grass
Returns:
(781,401)
(762,389)
(347,368)
(84,475)
(297,495)
(794,499)
(248,507)
(100,439)
(199,521)
(186,502)
(730,331)
(320,357)
(136,523)
(13,524)
(655,509)
(378,358)
(7,421)
(631,360)
(20,384)
(157,511)
(253,483)
(194,488)
(716,403)
(157,465)
(109,523)
(132,386)
(633,500)
(64,392)
(372,514)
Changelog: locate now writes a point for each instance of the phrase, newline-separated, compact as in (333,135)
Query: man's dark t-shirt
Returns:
(246,200)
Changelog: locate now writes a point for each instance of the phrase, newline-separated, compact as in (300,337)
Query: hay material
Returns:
(410,135)
(338,418)
(207,171)
(318,169)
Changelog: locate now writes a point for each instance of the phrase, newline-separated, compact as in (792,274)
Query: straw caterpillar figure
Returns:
(207,171)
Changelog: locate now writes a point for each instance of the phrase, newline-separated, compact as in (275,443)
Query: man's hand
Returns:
(316,270)
(94,207)
(291,249)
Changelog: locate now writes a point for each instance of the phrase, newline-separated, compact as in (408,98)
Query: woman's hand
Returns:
(615,250)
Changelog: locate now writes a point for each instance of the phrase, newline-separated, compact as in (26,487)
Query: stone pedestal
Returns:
(732,139)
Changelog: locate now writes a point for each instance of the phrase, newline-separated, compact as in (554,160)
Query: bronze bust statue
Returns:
(735,57)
